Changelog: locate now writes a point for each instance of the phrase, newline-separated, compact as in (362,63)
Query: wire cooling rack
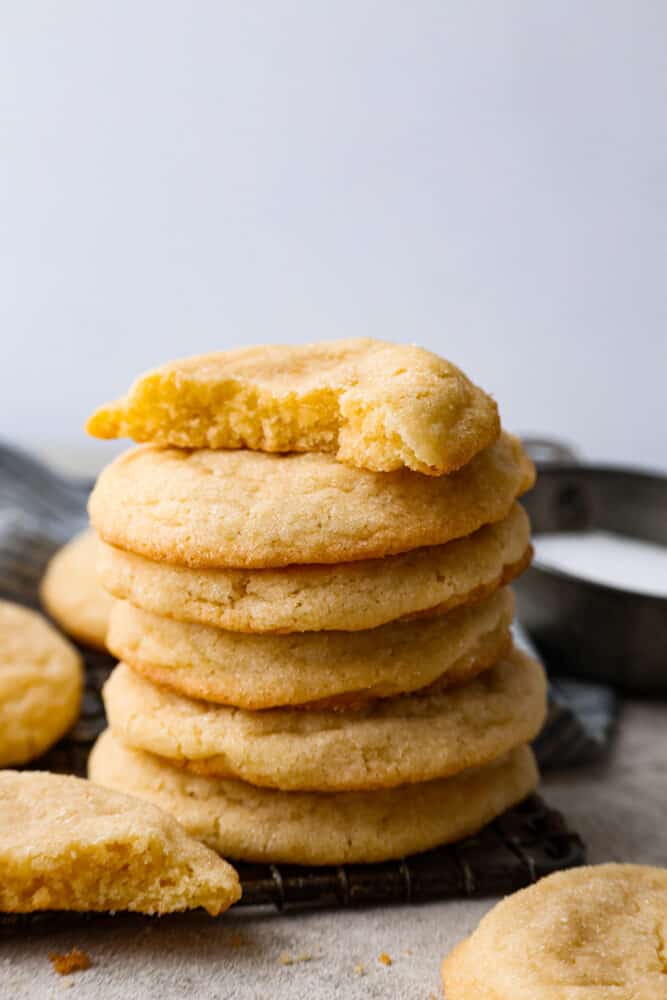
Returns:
(39,511)
(524,844)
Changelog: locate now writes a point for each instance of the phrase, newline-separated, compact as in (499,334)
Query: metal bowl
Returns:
(584,628)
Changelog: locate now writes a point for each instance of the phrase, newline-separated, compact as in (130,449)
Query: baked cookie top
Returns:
(412,738)
(72,594)
(318,828)
(373,404)
(344,669)
(595,932)
(252,510)
(67,844)
(41,678)
(348,597)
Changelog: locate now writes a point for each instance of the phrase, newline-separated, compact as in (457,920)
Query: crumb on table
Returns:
(72,961)
(286,959)
(384,958)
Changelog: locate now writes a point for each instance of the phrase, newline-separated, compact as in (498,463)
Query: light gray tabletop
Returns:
(619,808)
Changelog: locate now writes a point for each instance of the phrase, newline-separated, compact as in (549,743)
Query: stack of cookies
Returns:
(309,557)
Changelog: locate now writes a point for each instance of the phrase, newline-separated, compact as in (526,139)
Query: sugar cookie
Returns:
(72,594)
(412,738)
(375,405)
(67,844)
(310,828)
(41,678)
(208,509)
(596,932)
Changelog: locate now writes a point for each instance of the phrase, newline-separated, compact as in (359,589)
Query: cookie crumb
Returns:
(384,958)
(359,969)
(286,959)
(72,961)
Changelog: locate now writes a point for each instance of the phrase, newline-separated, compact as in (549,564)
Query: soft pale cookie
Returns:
(411,738)
(375,405)
(594,933)
(252,510)
(67,844)
(343,668)
(263,825)
(72,594)
(349,597)
(41,678)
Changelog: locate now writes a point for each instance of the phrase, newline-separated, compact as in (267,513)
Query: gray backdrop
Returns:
(485,178)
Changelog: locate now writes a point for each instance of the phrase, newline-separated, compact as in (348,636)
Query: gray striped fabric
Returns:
(40,510)
(581,718)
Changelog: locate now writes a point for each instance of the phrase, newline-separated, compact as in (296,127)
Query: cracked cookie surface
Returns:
(410,738)
(208,509)
(341,668)
(347,597)
(305,828)
(595,932)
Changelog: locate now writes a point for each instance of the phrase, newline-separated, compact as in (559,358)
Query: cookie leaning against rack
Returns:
(67,844)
